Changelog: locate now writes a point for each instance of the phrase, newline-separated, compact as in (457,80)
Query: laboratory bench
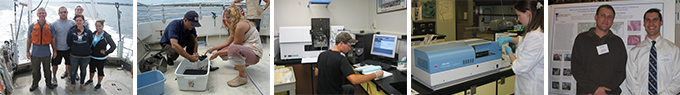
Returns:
(395,84)
(499,82)
(306,81)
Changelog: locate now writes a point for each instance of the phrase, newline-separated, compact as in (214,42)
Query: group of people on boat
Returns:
(71,40)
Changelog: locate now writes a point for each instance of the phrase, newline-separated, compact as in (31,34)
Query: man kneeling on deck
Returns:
(179,34)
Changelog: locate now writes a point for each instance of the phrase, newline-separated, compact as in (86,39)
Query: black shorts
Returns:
(97,65)
(66,55)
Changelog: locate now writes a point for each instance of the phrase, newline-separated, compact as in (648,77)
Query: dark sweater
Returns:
(101,45)
(592,70)
(80,44)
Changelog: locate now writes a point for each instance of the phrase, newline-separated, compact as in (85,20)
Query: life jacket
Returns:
(41,36)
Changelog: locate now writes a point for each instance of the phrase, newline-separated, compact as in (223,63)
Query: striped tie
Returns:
(652,70)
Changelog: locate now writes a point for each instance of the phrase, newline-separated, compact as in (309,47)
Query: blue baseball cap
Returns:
(192,16)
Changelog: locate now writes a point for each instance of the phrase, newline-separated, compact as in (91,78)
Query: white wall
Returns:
(348,13)
(446,27)
(391,22)
(355,15)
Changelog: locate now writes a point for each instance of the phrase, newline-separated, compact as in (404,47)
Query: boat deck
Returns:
(217,80)
(116,81)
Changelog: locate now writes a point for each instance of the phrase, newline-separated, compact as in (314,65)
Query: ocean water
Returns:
(106,12)
(156,2)
(203,11)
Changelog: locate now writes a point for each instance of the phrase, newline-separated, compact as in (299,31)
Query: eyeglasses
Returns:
(349,45)
(63,12)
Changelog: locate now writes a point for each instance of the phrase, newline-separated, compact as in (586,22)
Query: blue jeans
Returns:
(75,63)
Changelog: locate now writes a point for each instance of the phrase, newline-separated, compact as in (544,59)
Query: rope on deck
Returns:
(251,79)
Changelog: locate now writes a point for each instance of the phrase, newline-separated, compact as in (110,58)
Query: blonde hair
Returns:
(235,14)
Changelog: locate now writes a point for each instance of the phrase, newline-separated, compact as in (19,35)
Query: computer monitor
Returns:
(384,45)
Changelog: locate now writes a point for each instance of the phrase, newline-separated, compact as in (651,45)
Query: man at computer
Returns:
(333,68)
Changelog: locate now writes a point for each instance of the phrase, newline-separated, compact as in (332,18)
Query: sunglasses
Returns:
(63,12)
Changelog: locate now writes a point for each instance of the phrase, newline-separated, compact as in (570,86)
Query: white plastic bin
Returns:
(193,81)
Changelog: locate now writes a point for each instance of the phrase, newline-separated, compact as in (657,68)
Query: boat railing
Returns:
(164,8)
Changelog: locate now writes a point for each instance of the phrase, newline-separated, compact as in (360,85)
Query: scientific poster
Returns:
(568,20)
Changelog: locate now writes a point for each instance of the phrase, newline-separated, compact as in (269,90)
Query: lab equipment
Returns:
(293,41)
(362,48)
(443,64)
(320,32)
(502,24)
(296,43)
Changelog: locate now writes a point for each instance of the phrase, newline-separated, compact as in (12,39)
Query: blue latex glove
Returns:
(508,50)
(503,40)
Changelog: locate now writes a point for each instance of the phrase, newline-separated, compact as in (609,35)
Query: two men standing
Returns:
(600,63)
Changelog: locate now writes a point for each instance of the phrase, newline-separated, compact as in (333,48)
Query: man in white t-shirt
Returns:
(254,12)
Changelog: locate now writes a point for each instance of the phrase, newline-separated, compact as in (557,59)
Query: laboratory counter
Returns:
(395,84)
(468,85)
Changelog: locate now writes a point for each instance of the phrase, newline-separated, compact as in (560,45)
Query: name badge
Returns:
(664,58)
(602,49)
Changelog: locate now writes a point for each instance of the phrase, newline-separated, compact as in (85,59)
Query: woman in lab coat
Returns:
(528,62)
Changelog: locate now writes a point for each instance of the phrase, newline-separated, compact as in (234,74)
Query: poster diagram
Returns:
(634,39)
(634,25)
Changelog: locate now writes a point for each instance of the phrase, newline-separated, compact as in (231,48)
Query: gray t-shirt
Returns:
(62,28)
(40,50)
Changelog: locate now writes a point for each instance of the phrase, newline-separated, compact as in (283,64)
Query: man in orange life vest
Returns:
(40,36)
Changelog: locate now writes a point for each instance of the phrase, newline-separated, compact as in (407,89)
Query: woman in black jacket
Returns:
(99,52)
(80,40)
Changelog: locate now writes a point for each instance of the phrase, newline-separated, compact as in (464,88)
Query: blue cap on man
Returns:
(192,16)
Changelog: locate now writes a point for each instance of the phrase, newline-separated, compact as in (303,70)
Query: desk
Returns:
(463,85)
(306,79)
(395,84)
